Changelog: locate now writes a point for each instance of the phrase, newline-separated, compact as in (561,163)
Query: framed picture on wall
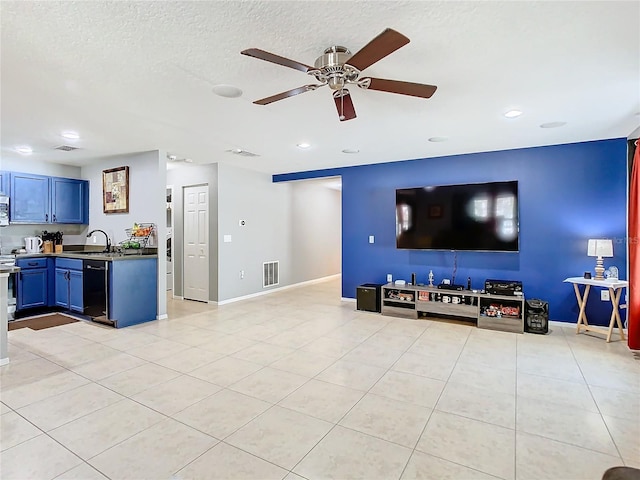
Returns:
(115,190)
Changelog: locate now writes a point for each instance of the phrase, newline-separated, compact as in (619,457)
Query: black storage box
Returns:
(368,297)
(536,316)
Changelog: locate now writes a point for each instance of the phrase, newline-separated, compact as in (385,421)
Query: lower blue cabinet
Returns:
(68,280)
(32,282)
(32,288)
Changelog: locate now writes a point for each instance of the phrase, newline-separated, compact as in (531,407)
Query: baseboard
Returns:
(4,361)
(279,289)
(347,299)
(164,316)
(557,323)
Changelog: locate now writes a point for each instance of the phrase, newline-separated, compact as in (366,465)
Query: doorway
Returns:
(196,243)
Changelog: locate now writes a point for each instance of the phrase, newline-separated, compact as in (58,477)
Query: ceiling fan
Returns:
(337,67)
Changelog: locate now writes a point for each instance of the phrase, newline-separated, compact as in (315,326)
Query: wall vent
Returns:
(270,274)
(66,148)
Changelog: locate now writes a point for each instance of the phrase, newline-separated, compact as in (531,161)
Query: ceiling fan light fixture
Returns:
(227,91)
(438,139)
(513,113)
(553,124)
(303,145)
(350,150)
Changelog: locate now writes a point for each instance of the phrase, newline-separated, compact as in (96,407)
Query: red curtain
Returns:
(634,254)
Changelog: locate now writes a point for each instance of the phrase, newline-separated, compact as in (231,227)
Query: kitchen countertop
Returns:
(89,256)
(9,269)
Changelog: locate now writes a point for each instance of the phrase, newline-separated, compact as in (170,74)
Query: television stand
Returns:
(495,312)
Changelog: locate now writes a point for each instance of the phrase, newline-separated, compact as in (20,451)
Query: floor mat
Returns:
(39,323)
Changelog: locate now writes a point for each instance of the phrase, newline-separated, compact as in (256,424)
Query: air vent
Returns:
(66,148)
(270,274)
(242,153)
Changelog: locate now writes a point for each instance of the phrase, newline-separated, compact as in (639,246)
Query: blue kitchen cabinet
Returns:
(32,283)
(40,199)
(29,198)
(75,291)
(4,183)
(68,284)
(69,200)
(133,291)
(62,287)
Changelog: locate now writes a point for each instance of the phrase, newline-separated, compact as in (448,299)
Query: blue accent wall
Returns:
(567,194)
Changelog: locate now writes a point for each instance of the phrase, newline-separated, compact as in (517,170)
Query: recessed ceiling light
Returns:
(24,150)
(304,145)
(188,160)
(71,135)
(513,113)
(553,124)
(228,91)
(350,150)
(438,139)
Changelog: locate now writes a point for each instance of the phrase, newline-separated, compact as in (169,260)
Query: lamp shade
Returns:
(600,248)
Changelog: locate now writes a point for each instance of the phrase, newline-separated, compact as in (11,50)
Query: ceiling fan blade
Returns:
(396,86)
(344,104)
(287,94)
(270,57)
(387,42)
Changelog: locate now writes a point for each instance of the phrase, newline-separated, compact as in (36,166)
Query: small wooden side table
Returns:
(615,290)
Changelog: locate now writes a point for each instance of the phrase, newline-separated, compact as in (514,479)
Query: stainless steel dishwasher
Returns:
(95,295)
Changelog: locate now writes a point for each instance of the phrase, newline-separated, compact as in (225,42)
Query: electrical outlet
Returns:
(241,274)
(604,295)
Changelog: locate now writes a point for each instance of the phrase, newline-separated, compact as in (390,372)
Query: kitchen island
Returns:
(111,288)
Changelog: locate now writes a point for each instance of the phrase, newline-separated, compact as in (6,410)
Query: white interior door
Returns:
(196,243)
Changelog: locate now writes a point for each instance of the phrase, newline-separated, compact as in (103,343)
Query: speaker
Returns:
(536,316)
(368,296)
(413,279)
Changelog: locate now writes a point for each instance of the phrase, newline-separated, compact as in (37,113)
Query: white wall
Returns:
(316,226)
(27,165)
(266,209)
(147,204)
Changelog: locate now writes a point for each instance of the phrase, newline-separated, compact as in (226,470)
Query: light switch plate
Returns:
(604,295)
(227,239)
(389,278)
(372,239)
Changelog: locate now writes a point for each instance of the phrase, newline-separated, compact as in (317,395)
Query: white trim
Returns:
(279,289)
(347,299)
(164,316)
(4,361)
(177,297)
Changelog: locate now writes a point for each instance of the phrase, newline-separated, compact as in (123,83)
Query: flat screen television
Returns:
(478,216)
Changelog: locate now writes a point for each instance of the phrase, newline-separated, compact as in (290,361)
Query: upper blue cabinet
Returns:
(29,201)
(40,199)
(4,182)
(69,200)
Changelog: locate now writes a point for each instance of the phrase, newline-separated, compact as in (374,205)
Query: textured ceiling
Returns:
(134,76)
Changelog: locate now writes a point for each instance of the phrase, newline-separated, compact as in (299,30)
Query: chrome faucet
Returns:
(108,247)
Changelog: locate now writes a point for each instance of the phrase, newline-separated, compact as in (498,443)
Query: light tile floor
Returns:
(298,384)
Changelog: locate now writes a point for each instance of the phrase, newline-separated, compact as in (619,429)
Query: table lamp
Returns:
(600,248)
